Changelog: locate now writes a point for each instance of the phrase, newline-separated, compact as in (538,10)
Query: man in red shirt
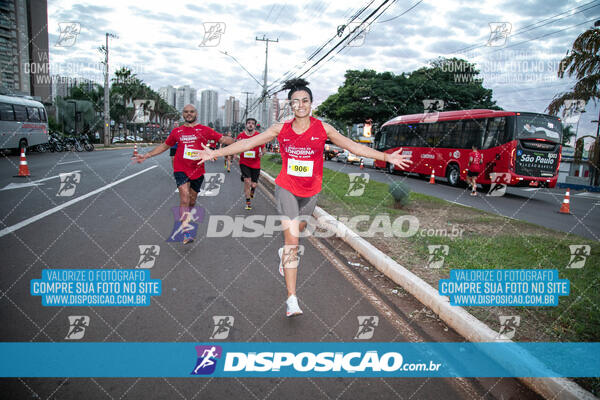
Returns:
(250,162)
(474,169)
(189,138)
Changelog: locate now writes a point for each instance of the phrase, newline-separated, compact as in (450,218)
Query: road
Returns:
(538,206)
(226,276)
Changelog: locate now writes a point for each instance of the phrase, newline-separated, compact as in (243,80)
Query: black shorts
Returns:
(252,173)
(181,178)
(472,174)
(172,151)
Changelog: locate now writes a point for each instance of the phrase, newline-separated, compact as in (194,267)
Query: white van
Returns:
(23,122)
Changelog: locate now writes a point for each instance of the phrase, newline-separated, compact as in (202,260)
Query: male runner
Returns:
(250,162)
(227,159)
(302,142)
(189,138)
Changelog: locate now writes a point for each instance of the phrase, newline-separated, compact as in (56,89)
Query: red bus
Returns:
(524,145)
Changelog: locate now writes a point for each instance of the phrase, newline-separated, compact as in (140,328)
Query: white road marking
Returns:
(32,183)
(69,162)
(51,211)
(594,196)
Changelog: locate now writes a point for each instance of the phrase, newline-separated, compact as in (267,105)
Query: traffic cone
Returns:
(135,153)
(23,168)
(362,164)
(432,177)
(565,207)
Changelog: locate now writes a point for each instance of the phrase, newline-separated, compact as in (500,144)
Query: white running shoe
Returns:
(280,251)
(292,307)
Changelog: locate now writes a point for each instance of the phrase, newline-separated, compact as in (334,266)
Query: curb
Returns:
(455,317)
(96,148)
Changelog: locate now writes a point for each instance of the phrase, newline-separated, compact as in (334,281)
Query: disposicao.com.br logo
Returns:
(240,363)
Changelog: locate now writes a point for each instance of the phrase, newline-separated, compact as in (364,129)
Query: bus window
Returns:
(43,117)
(431,134)
(416,136)
(473,133)
(449,134)
(495,133)
(393,136)
(33,115)
(403,135)
(20,112)
(6,112)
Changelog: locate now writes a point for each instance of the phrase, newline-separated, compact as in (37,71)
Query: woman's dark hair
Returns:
(296,85)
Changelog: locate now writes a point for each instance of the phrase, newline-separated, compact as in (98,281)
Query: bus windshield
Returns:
(538,127)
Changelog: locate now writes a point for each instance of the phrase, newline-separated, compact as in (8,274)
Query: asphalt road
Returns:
(226,276)
(538,206)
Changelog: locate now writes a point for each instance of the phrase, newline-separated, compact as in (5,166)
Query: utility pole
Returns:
(264,93)
(246,112)
(106,93)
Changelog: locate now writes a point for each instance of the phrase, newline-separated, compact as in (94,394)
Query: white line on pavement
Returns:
(33,183)
(69,162)
(51,211)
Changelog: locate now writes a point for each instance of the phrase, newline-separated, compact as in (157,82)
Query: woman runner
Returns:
(302,142)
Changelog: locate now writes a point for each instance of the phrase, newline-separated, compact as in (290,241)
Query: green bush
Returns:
(275,158)
(400,192)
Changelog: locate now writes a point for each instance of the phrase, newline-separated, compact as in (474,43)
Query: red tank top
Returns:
(302,158)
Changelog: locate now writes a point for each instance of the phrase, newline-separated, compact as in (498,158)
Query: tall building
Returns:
(232,112)
(24,62)
(168,94)
(209,106)
(62,85)
(185,95)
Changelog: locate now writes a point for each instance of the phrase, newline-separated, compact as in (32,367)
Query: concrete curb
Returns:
(457,318)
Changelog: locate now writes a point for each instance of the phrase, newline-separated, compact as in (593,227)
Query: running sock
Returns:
(252,192)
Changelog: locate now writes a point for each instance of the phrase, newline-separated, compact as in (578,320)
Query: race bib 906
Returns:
(300,168)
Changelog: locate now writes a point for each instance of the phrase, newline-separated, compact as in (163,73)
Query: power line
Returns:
(548,34)
(314,54)
(404,12)
(344,39)
(522,30)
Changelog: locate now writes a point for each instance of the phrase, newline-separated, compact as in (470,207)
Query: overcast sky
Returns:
(161,42)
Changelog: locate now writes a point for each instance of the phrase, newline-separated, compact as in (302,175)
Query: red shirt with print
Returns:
(302,158)
(476,159)
(250,158)
(189,140)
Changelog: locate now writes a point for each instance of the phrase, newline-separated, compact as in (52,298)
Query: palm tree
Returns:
(583,63)
(567,134)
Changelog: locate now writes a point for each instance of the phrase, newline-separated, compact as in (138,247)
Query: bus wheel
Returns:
(453,175)
(391,169)
(22,145)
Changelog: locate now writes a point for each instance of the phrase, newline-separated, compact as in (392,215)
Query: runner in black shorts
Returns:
(250,162)
(189,138)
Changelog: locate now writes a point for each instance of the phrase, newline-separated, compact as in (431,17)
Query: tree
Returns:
(583,63)
(381,96)
(567,134)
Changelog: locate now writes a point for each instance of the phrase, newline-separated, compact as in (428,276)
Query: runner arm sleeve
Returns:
(247,144)
(355,148)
